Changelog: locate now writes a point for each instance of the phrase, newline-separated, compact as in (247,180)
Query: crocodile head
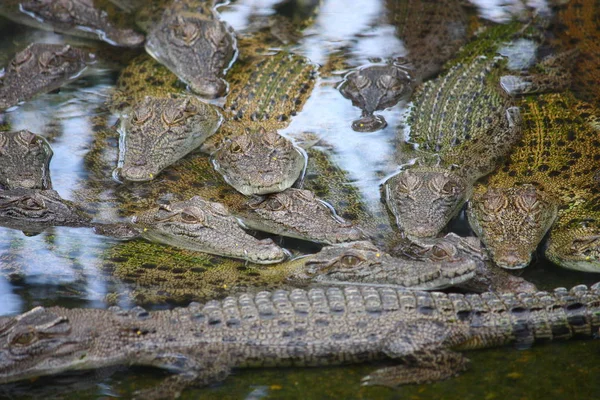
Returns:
(160,131)
(298,213)
(200,225)
(375,88)
(196,46)
(424,199)
(259,162)
(35,210)
(40,68)
(511,222)
(355,263)
(576,244)
(41,342)
(80,15)
(24,161)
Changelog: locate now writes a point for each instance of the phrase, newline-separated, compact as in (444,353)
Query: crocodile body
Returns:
(431,32)
(578,25)
(195,45)
(460,128)
(202,343)
(24,161)
(552,170)
(41,68)
(574,240)
(75,17)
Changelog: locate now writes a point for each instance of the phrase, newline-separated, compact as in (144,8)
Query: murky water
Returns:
(66,266)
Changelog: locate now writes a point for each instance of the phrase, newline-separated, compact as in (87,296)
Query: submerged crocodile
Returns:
(41,68)
(24,161)
(551,172)
(431,32)
(200,344)
(74,17)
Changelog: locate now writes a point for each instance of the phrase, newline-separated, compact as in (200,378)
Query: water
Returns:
(67,266)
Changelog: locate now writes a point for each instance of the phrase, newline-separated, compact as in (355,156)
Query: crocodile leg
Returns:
(424,347)
(188,372)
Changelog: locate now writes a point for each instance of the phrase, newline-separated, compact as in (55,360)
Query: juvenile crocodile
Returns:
(74,17)
(578,25)
(552,170)
(159,122)
(205,226)
(33,210)
(460,127)
(41,68)
(194,44)
(574,240)
(24,161)
(200,344)
(431,32)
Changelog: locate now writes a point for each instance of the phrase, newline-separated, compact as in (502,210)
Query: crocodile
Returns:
(195,45)
(577,25)
(574,240)
(41,68)
(24,161)
(298,213)
(201,344)
(460,127)
(550,172)
(75,17)
(34,210)
(432,32)
(201,225)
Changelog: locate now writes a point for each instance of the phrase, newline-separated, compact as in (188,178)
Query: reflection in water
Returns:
(11,303)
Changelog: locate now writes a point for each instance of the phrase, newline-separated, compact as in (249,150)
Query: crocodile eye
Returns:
(494,202)
(450,188)
(443,251)
(387,82)
(32,203)
(187,217)
(141,115)
(173,117)
(24,339)
(350,261)
(274,204)
(361,82)
(235,147)
(408,182)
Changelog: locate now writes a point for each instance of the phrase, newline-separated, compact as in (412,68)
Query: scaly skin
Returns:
(41,68)
(74,17)
(24,161)
(551,170)
(200,225)
(574,240)
(194,44)
(200,344)
(432,32)
(458,142)
(160,131)
(578,25)
(259,162)
(298,213)
(34,210)
(265,94)
(160,123)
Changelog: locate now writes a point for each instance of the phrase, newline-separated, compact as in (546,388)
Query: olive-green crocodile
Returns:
(578,25)
(552,170)
(574,240)
(201,344)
